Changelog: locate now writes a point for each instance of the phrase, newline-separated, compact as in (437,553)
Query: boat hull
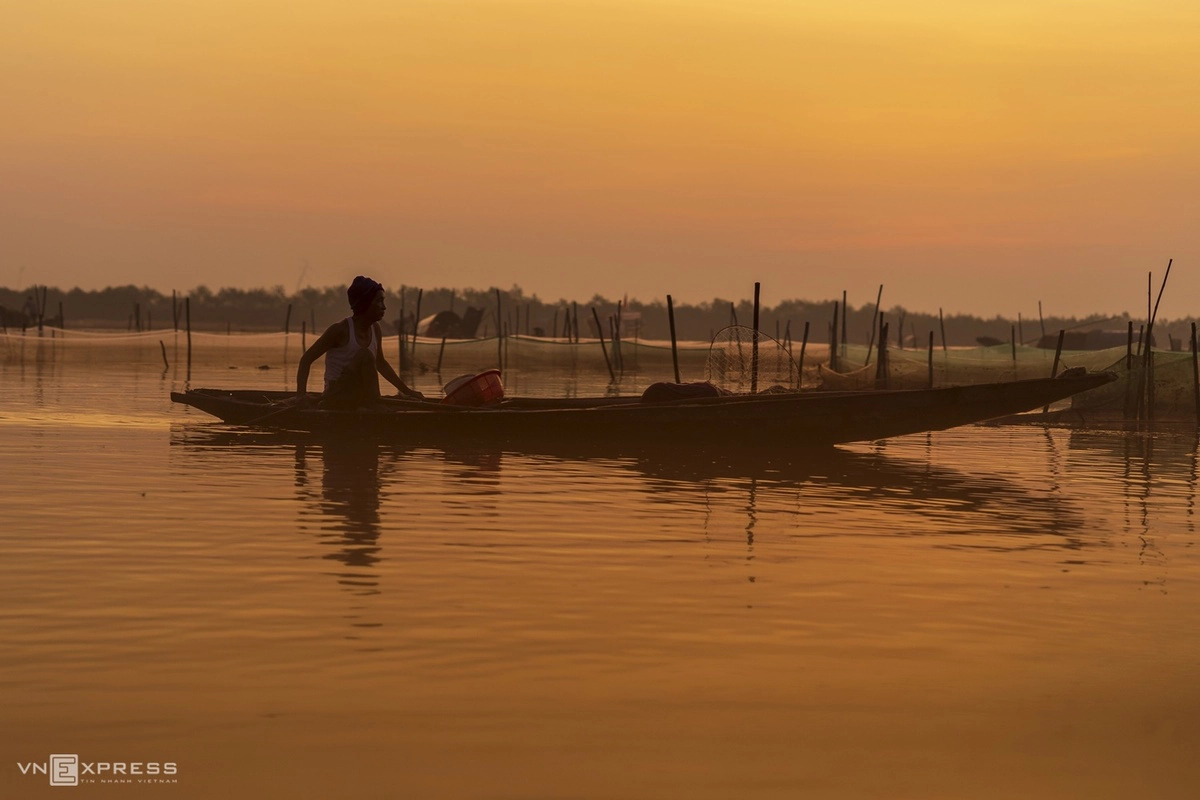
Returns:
(773,421)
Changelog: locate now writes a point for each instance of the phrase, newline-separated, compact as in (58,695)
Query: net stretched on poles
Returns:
(732,363)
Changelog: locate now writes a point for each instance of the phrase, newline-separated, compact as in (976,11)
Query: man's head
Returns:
(361,292)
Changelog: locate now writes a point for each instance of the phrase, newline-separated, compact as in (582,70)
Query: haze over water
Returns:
(985,612)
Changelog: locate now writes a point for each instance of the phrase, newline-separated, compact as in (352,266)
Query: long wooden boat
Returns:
(783,421)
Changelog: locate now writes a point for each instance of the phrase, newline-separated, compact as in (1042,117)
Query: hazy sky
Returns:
(974,155)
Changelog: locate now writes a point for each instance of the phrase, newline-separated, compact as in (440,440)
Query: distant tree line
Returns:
(143,308)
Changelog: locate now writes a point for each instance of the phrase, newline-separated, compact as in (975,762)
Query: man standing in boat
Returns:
(353,354)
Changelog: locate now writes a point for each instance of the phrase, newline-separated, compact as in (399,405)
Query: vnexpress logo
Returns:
(64,770)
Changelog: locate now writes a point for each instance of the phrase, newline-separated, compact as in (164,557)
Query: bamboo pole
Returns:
(1146,396)
(874,315)
(881,366)
(499,330)
(600,333)
(942,323)
(931,359)
(1129,348)
(833,340)
(416,325)
(754,345)
(1041,320)
(287,321)
(674,348)
(163,347)
(187,313)
(441,350)
(1195,373)
(879,355)
(845,316)
(1054,367)
(303,335)
(174,312)
(803,347)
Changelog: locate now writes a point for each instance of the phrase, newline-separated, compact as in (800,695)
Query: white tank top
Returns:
(338,358)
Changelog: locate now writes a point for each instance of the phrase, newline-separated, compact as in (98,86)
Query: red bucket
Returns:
(475,390)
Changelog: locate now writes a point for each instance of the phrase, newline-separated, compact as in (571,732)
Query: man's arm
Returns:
(325,342)
(389,374)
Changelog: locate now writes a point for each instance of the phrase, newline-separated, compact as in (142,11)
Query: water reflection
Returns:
(346,503)
(918,497)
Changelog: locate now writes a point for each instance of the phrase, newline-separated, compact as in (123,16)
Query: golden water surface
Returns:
(989,612)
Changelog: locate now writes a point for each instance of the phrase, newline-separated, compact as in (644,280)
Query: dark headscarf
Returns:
(361,291)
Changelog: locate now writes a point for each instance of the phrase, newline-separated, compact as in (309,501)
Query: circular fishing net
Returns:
(733,362)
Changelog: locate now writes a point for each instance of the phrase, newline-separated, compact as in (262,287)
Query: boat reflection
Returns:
(905,497)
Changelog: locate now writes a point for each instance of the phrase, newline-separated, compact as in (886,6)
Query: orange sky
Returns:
(970,155)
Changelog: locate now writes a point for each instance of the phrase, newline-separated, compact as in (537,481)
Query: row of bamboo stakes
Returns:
(1139,404)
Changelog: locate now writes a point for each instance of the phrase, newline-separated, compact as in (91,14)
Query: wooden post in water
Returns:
(1013,339)
(416,325)
(174,312)
(931,359)
(942,323)
(1041,320)
(881,344)
(163,347)
(303,335)
(1129,348)
(674,347)
(600,333)
(803,347)
(1054,367)
(845,316)
(881,366)
(1195,373)
(833,340)
(441,350)
(874,316)
(754,345)
(575,319)
(187,313)
(62,320)
(287,321)
(500,330)
(42,310)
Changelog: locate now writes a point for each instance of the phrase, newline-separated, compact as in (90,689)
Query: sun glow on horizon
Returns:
(503,140)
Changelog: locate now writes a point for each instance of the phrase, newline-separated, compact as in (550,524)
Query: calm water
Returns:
(986,612)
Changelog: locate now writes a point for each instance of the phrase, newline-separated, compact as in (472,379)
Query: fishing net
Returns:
(741,360)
